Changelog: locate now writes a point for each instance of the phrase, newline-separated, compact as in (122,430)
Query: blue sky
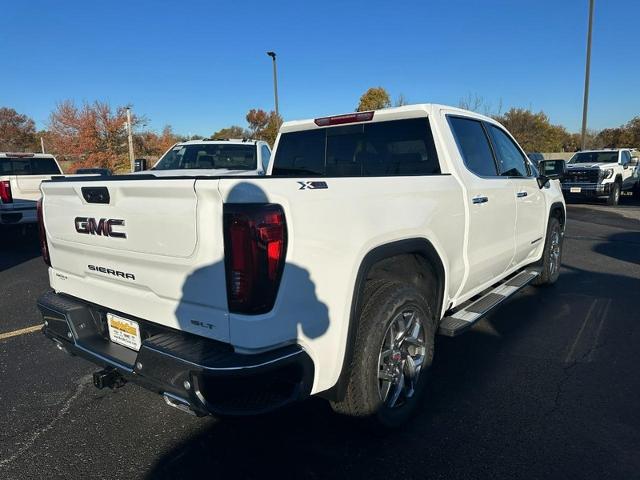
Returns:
(200,66)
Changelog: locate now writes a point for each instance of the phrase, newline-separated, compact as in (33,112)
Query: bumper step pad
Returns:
(461,320)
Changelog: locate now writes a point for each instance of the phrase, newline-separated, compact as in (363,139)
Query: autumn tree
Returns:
(627,135)
(17,132)
(478,104)
(151,145)
(533,131)
(94,134)
(234,131)
(263,125)
(374,99)
(400,101)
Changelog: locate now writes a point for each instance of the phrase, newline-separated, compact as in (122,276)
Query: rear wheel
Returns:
(392,355)
(549,264)
(614,195)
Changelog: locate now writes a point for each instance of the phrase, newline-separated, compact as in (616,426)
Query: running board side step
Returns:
(461,320)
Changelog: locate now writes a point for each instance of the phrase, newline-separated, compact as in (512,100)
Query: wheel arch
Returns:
(424,253)
(558,210)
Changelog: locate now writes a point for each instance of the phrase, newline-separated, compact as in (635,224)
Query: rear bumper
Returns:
(13,215)
(192,372)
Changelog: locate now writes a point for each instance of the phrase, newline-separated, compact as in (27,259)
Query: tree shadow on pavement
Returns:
(623,246)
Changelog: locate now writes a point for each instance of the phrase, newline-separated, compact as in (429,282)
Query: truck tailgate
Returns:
(153,250)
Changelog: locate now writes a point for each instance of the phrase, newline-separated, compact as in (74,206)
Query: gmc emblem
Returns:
(104,226)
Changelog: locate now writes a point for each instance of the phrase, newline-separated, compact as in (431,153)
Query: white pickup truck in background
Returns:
(371,233)
(602,174)
(20,178)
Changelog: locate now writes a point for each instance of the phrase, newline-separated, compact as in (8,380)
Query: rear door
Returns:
(530,201)
(491,203)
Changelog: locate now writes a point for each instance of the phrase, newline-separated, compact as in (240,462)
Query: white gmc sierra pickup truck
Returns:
(371,233)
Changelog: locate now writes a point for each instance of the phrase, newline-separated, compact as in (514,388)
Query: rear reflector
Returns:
(255,245)
(5,191)
(42,233)
(341,119)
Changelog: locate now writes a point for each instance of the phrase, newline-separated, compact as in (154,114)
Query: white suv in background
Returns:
(215,158)
(20,178)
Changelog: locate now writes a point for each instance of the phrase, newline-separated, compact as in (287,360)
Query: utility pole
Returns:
(586,78)
(130,133)
(275,80)
(42,144)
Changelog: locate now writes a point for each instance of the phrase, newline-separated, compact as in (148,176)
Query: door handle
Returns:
(477,200)
(521,194)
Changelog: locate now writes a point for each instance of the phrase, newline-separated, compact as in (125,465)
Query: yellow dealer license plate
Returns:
(124,332)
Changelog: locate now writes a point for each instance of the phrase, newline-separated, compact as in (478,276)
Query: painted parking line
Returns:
(22,331)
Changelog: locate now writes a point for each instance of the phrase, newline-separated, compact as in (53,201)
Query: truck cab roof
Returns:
(386,114)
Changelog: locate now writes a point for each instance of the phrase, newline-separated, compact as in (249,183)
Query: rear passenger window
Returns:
(399,147)
(511,161)
(300,154)
(474,146)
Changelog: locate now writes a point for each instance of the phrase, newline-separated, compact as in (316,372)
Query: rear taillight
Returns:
(255,245)
(44,246)
(5,191)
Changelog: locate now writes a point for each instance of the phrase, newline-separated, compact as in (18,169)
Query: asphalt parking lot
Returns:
(546,387)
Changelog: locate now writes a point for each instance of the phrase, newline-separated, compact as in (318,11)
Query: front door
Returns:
(530,201)
(491,203)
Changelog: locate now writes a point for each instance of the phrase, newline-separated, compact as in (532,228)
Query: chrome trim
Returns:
(521,194)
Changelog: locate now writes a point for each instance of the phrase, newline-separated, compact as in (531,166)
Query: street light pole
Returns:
(586,78)
(275,80)
(130,134)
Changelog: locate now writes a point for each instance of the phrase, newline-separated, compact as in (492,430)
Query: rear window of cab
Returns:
(392,148)
(28,166)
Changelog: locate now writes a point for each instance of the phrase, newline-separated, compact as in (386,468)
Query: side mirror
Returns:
(634,161)
(553,169)
(139,164)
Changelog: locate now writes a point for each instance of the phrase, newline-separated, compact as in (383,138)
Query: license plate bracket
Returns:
(124,332)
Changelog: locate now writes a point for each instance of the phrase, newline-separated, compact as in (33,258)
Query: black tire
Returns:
(385,301)
(614,195)
(550,265)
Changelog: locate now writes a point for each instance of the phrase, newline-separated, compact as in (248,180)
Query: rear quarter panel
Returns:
(329,233)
